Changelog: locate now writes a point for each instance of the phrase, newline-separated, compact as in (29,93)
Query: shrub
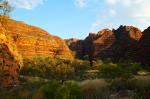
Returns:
(68,90)
(80,67)
(97,64)
(23,91)
(50,89)
(119,70)
(95,89)
(47,68)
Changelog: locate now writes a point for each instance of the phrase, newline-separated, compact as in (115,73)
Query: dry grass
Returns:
(95,89)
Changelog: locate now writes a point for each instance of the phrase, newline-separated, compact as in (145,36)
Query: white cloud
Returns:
(26,4)
(80,3)
(118,12)
(112,2)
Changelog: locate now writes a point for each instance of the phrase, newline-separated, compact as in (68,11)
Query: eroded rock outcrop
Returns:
(143,48)
(103,45)
(33,41)
(127,39)
(99,45)
(10,61)
(116,44)
(76,46)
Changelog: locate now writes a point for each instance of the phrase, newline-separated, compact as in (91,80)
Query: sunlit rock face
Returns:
(19,40)
(33,41)
(10,61)
(104,43)
(143,49)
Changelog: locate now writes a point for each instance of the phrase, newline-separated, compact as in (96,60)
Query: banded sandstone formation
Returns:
(126,42)
(10,61)
(33,41)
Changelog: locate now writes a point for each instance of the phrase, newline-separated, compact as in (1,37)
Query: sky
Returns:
(76,18)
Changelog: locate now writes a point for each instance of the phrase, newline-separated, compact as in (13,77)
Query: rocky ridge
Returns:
(33,41)
(19,40)
(126,42)
(143,48)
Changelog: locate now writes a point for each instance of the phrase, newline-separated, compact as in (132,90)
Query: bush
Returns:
(68,90)
(119,70)
(97,64)
(47,68)
(95,89)
(50,89)
(80,67)
(23,91)
(55,68)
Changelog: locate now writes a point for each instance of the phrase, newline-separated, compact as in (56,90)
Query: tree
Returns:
(5,8)
(5,11)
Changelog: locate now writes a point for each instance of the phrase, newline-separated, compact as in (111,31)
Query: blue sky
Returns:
(76,18)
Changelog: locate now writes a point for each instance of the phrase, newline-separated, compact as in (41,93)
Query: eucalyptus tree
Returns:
(5,8)
(5,11)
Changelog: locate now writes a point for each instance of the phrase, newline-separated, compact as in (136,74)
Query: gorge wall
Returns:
(126,42)
(143,48)
(19,40)
(10,61)
(33,41)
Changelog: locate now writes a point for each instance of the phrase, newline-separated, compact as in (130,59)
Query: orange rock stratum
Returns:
(32,41)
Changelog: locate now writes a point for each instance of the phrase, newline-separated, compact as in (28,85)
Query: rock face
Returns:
(32,41)
(18,40)
(95,45)
(103,45)
(127,38)
(76,46)
(99,45)
(116,44)
(143,49)
(10,61)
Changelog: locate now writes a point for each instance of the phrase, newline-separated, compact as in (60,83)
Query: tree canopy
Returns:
(5,8)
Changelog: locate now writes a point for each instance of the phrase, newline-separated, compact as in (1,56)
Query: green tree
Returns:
(50,89)
(124,70)
(69,90)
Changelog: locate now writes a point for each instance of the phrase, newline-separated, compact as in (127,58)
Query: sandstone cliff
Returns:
(143,48)
(103,45)
(76,46)
(126,42)
(32,41)
(10,61)
(127,38)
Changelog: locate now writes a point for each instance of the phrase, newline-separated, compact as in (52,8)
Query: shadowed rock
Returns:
(127,38)
(117,44)
(143,49)
(76,46)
